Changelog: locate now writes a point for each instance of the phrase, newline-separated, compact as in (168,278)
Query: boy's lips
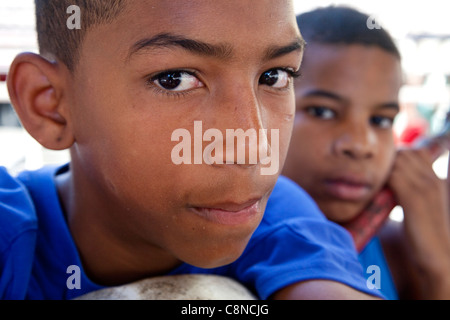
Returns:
(230,213)
(348,188)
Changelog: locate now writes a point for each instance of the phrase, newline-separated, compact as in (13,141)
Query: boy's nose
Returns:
(357,142)
(244,117)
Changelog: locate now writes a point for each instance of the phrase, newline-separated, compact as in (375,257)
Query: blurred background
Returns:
(420,28)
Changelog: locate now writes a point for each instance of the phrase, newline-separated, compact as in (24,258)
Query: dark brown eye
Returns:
(276,78)
(382,122)
(321,112)
(269,78)
(177,81)
(169,81)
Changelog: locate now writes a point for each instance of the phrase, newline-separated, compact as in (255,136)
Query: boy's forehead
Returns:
(321,60)
(246,32)
(191,11)
(211,21)
(343,72)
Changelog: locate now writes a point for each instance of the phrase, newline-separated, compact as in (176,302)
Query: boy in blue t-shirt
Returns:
(348,99)
(145,95)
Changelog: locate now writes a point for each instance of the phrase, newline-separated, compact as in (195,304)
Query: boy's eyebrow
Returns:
(391,105)
(165,40)
(325,94)
(278,51)
(221,51)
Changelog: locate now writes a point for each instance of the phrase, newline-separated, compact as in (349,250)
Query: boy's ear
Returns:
(36,88)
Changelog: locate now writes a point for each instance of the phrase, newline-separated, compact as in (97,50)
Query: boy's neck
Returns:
(108,259)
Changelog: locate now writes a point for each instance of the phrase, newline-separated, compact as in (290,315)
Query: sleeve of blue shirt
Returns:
(18,227)
(298,243)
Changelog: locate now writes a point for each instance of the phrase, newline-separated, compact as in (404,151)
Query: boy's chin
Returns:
(210,260)
(209,257)
(342,213)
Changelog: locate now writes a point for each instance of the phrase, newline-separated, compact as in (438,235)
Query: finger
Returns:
(412,172)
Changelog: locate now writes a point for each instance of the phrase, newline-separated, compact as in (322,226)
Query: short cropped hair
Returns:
(343,25)
(56,39)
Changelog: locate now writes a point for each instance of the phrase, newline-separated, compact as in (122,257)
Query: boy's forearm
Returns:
(428,260)
(321,290)
(434,284)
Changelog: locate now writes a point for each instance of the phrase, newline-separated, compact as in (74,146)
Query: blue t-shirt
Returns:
(377,270)
(293,243)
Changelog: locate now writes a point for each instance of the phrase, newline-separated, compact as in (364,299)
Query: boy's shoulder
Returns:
(18,231)
(295,242)
(21,195)
(38,238)
(292,211)
(17,212)
(289,200)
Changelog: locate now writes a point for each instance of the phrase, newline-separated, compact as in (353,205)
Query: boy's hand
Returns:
(424,199)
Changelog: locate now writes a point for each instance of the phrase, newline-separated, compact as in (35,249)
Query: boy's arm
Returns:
(426,227)
(320,290)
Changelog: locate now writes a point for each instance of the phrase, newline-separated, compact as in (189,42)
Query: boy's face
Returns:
(160,66)
(342,147)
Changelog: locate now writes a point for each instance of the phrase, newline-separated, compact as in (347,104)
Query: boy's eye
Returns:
(321,112)
(276,78)
(177,81)
(382,122)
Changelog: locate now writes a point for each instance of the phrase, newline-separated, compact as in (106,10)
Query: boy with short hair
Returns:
(348,99)
(114,92)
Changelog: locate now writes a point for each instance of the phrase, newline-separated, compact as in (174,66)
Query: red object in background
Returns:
(412,126)
(3,77)
(411,134)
